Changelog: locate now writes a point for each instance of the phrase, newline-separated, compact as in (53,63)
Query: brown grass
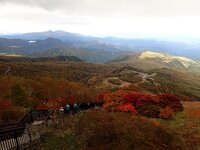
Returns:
(187,124)
(100,130)
(192,109)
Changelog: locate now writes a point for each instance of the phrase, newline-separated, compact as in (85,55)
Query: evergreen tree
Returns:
(19,96)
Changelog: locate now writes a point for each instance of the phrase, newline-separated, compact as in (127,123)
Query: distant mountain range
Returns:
(24,47)
(39,59)
(92,49)
(59,34)
(190,50)
(95,56)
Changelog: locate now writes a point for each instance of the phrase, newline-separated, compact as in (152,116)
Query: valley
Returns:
(116,85)
(106,76)
(99,75)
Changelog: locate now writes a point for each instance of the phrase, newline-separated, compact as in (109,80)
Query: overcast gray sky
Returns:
(151,18)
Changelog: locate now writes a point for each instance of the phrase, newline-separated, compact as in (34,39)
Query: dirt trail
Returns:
(123,83)
(144,78)
(8,70)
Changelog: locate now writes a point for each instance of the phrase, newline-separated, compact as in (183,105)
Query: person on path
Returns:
(75,108)
(67,109)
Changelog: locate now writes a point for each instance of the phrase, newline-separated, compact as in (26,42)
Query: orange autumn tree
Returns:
(114,99)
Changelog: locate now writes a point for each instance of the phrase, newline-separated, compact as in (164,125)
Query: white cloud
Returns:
(117,7)
(141,18)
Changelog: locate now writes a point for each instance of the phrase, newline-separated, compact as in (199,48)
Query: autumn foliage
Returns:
(145,104)
(128,107)
(28,93)
(8,112)
(55,104)
(4,104)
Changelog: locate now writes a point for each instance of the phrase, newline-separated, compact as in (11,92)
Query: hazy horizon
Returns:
(170,38)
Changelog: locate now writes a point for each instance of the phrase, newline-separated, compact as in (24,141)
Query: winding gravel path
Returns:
(8,70)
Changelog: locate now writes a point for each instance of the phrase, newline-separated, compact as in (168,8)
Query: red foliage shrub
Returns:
(140,99)
(99,98)
(145,104)
(111,100)
(151,111)
(132,97)
(8,112)
(42,107)
(166,113)
(71,100)
(55,104)
(5,104)
(146,99)
(128,107)
(170,100)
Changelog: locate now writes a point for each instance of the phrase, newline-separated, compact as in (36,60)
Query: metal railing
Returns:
(18,135)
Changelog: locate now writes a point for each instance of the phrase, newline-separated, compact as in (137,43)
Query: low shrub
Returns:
(52,142)
(118,131)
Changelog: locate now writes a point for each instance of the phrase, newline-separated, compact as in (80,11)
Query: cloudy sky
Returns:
(127,18)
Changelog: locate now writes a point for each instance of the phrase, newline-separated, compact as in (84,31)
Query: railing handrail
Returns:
(28,118)
(12,129)
(10,133)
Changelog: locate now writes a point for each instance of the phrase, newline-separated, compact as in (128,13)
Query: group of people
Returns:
(71,108)
(75,107)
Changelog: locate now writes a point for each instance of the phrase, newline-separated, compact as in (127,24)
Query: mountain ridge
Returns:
(39,59)
(152,60)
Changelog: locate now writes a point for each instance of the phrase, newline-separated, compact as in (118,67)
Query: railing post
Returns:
(38,114)
(17,142)
(31,116)
(29,134)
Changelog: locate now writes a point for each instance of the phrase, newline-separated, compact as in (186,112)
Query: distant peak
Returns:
(59,31)
(49,31)
(150,54)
